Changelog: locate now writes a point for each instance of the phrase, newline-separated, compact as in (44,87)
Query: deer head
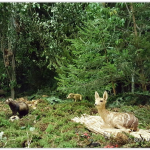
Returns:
(100,102)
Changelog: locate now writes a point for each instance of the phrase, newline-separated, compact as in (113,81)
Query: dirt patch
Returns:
(43,126)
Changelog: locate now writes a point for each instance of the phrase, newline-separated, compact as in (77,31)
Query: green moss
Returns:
(54,128)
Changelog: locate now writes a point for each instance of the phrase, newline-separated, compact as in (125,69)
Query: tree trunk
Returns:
(134,23)
(8,46)
(13,78)
(142,76)
(132,83)
(12,93)
(113,86)
(135,33)
(143,81)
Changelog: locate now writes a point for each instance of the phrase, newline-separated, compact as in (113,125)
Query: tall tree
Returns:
(109,52)
(35,34)
(93,68)
(8,42)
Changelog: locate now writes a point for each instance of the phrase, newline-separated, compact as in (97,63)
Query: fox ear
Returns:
(96,95)
(105,95)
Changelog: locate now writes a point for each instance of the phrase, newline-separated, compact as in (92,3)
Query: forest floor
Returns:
(50,126)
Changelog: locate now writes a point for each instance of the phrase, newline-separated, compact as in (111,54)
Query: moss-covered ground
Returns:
(50,126)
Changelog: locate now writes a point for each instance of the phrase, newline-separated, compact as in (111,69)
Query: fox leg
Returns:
(80,98)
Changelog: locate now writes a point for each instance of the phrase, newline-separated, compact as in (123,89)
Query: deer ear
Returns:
(96,95)
(105,95)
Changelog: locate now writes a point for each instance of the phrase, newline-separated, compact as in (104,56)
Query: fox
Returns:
(124,121)
(75,96)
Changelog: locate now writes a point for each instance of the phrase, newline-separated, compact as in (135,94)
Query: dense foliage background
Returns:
(75,47)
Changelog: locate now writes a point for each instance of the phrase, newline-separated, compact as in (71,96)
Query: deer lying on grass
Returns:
(124,121)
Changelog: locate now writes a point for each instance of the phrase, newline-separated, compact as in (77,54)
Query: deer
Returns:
(125,121)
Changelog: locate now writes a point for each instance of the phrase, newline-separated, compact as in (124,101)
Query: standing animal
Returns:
(123,121)
(75,96)
(20,107)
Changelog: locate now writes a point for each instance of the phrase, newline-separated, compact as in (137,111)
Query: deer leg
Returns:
(122,128)
(105,126)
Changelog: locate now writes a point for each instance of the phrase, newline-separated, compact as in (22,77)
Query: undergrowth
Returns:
(50,126)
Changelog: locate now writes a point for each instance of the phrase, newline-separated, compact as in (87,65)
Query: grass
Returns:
(52,126)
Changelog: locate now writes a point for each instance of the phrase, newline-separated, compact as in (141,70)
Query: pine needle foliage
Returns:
(93,51)
(107,53)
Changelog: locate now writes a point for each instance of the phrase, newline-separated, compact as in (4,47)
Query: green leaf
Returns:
(38,117)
